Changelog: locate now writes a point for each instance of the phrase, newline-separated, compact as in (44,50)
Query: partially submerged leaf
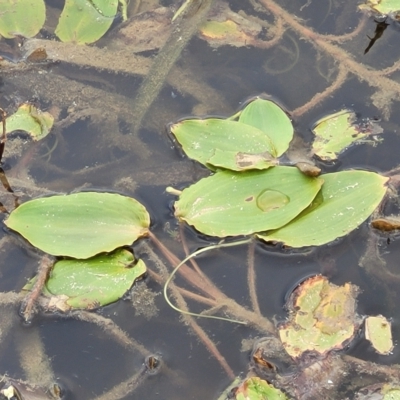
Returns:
(220,142)
(258,389)
(336,132)
(85,21)
(32,120)
(378,332)
(385,7)
(322,317)
(270,119)
(16,20)
(91,283)
(346,200)
(80,225)
(386,224)
(233,203)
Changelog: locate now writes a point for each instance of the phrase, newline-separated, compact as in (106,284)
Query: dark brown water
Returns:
(97,151)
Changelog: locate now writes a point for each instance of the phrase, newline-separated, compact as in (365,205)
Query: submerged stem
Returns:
(185,28)
(203,250)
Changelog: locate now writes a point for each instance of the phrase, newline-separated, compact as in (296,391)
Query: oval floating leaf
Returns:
(258,389)
(336,132)
(91,283)
(31,120)
(224,143)
(348,199)
(385,7)
(322,317)
(16,20)
(378,331)
(233,203)
(85,21)
(272,120)
(80,225)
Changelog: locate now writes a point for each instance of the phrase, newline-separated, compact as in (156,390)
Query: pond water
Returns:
(99,142)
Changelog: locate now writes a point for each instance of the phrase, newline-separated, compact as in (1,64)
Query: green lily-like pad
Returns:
(272,120)
(346,200)
(224,143)
(91,283)
(384,7)
(21,17)
(80,225)
(322,318)
(241,203)
(336,132)
(28,118)
(85,21)
(258,389)
(378,331)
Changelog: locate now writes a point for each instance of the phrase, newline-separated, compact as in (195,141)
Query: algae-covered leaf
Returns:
(85,21)
(258,389)
(220,143)
(270,119)
(378,391)
(16,20)
(32,120)
(385,7)
(378,331)
(346,200)
(80,225)
(336,132)
(241,203)
(322,318)
(91,283)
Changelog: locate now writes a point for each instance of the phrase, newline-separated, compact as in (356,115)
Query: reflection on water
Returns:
(97,143)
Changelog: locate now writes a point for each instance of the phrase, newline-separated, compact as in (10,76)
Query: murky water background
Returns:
(86,359)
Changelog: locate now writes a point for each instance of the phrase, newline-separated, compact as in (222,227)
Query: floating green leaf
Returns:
(272,120)
(378,331)
(336,132)
(382,6)
(322,318)
(224,143)
(233,203)
(91,283)
(28,118)
(348,199)
(258,389)
(21,17)
(85,21)
(80,225)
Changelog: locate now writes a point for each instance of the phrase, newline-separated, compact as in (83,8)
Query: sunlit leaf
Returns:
(336,132)
(382,6)
(224,143)
(80,225)
(240,203)
(91,283)
(85,21)
(28,118)
(346,200)
(272,120)
(322,317)
(21,17)
(258,389)
(378,331)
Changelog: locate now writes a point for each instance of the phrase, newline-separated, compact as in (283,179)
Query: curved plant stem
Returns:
(208,343)
(209,248)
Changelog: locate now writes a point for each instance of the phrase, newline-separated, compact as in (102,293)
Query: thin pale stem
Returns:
(251,278)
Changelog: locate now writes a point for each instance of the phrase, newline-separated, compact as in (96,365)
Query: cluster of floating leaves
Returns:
(250,193)
(81,21)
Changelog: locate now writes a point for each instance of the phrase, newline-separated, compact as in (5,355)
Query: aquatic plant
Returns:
(110,113)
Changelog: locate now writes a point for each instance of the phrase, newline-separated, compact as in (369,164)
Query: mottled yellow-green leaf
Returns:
(31,120)
(378,331)
(258,389)
(322,317)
